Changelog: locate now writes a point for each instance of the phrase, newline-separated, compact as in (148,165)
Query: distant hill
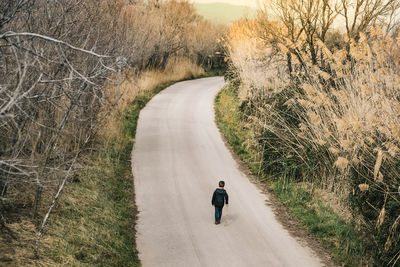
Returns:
(224,13)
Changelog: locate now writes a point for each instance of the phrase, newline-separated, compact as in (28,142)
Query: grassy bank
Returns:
(301,200)
(94,221)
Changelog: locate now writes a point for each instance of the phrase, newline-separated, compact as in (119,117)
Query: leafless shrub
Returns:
(55,59)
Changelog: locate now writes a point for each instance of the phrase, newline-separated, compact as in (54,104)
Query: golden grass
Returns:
(177,68)
(316,208)
(338,125)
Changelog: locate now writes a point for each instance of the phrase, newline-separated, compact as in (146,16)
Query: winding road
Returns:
(178,159)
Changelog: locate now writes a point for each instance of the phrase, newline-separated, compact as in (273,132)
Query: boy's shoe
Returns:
(216,222)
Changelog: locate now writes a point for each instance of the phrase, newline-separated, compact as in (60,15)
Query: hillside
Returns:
(224,13)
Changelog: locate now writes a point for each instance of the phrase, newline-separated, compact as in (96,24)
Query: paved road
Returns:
(178,159)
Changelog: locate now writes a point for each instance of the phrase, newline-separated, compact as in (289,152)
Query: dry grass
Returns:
(316,208)
(18,249)
(17,240)
(334,123)
(177,68)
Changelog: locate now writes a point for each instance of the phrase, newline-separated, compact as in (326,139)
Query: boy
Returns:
(218,199)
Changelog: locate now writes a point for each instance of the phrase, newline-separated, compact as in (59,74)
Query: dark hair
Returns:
(221,183)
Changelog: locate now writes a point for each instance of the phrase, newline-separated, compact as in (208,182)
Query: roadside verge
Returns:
(297,205)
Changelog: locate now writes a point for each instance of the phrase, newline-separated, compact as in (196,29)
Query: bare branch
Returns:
(47,38)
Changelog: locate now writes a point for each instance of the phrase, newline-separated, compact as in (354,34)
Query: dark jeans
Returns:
(218,213)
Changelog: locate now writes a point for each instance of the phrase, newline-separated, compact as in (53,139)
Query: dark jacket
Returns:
(218,198)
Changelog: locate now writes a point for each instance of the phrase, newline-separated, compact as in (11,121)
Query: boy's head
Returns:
(221,183)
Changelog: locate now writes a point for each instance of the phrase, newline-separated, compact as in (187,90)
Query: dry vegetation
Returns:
(177,68)
(60,65)
(324,106)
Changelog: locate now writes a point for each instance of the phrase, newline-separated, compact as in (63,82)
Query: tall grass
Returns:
(334,123)
(308,205)
(177,68)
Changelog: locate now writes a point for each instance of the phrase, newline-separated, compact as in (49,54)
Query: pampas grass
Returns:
(335,124)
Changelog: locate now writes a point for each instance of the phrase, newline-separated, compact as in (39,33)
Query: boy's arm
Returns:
(226,198)
(213,199)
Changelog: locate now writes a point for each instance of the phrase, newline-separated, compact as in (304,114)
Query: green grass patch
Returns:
(335,234)
(229,120)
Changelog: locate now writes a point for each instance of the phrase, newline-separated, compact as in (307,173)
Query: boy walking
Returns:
(219,198)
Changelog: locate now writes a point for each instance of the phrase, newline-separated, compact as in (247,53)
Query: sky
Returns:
(252,3)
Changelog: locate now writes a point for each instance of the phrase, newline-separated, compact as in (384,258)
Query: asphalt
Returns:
(178,159)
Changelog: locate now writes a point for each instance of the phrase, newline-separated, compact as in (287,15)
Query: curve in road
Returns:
(178,159)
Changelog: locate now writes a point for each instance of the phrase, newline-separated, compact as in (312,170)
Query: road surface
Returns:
(178,159)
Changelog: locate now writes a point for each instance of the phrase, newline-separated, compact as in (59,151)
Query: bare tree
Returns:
(51,77)
(361,14)
(313,18)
